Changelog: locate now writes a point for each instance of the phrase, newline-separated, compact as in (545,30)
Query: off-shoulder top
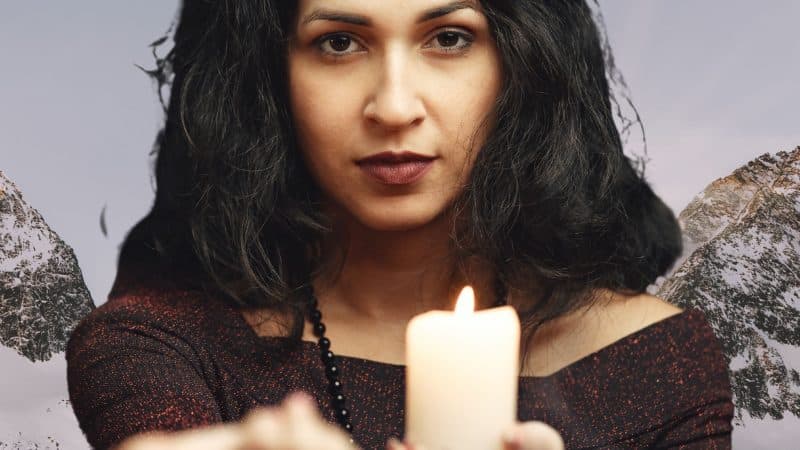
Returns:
(164,359)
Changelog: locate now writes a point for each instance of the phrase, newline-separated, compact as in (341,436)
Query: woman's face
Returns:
(386,96)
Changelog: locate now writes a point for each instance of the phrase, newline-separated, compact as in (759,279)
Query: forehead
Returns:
(366,13)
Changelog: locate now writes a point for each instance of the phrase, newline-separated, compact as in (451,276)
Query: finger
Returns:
(304,425)
(511,438)
(310,431)
(308,427)
(301,398)
(326,436)
(301,415)
(395,444)
(533,435)
(264,428)
(294,424)
(301,406)
(219,437)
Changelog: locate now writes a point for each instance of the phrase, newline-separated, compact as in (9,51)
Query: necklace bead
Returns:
(324,344)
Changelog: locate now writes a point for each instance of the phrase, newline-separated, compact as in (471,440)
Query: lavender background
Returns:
(714,81)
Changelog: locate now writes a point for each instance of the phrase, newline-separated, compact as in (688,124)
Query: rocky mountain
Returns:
(42,292)
(741,265)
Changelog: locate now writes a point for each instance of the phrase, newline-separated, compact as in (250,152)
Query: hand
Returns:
(533,435)
(295,424)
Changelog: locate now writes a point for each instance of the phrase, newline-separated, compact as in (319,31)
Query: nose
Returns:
(395,100)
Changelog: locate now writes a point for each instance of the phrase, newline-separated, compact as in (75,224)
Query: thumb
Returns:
(533,435)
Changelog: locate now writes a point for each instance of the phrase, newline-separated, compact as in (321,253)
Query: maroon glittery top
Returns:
(168,360)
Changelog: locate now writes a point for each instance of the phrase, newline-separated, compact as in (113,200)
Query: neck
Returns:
(387,277)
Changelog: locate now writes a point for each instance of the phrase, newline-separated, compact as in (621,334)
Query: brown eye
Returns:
(337,45)
(452,41)
(448,39)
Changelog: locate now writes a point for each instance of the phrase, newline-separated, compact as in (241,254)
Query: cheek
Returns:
(309,109)
(466,113)
(320,118)
(466,99)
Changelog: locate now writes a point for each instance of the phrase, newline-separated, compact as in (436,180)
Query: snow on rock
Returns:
(741,266)
(42,292)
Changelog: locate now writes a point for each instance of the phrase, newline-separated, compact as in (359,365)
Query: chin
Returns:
(398,219)
(394,223)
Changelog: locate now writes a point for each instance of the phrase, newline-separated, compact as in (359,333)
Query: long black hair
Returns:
(552,204)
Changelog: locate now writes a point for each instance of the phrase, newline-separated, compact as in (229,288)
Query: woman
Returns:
(331,168)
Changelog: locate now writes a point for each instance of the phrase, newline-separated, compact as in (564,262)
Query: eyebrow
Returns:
(353,19)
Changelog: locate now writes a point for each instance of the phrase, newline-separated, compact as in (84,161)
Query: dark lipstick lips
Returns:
(394,158)
(396,168)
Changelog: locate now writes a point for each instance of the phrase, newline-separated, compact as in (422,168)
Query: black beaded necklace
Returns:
(338,401)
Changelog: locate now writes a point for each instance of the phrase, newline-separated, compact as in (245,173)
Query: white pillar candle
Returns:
(462,370)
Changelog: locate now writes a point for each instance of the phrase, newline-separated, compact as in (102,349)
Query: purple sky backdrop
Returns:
(714,81)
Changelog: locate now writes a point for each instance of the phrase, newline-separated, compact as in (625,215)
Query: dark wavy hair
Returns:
(552,205)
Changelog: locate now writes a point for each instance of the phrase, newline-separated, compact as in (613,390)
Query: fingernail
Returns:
(393,444)
(262,415)
(412,446)
(511,438)
(300,398)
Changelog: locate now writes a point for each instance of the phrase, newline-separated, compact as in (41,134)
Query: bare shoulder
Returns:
(573,337)
(653,307)
(631,313)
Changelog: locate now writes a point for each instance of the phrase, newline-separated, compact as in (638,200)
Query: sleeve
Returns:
(128,375)
(706,427)
(704,419)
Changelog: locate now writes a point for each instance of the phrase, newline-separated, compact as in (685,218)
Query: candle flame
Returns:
(466,301)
